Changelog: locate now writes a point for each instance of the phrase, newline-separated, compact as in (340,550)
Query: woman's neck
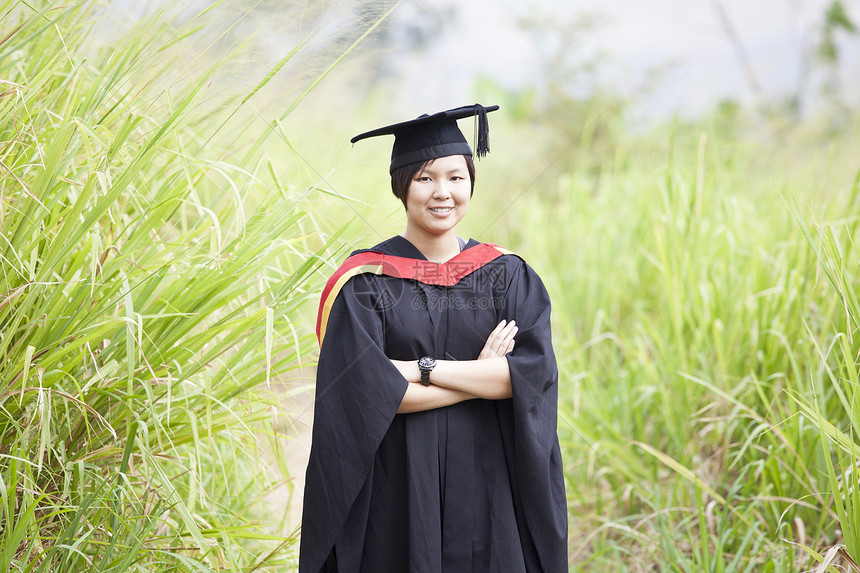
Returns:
(437,248)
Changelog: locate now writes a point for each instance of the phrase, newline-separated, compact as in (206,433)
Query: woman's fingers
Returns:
(497,330)
(497,337)
(510,329)
(500,341)
(489,349)
(508,334)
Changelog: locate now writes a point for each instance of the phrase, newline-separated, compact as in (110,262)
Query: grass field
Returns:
(164,235)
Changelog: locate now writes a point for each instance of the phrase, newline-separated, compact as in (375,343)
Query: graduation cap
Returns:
(430,136)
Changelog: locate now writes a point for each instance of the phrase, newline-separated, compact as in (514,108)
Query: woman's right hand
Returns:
(500,341)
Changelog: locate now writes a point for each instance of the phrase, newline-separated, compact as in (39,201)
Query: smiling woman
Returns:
(434,441)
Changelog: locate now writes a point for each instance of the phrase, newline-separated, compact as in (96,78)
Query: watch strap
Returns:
(425,365)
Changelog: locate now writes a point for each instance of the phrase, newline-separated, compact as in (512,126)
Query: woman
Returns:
(434,441)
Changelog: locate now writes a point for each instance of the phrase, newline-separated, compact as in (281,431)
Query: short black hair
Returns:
(401,178)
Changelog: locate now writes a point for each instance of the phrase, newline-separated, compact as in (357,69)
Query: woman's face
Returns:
(438,196)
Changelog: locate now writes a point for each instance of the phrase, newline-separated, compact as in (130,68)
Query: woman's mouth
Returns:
(441,210)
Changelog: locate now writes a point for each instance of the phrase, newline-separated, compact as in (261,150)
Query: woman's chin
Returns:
(441,231)
(443,225)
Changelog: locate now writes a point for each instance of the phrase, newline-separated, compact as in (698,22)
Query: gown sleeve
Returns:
(534,384)
(358,391)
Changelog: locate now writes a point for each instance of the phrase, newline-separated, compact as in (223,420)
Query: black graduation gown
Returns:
(472,487)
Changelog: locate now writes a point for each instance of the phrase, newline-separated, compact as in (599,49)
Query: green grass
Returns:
(151,277)
(695,329)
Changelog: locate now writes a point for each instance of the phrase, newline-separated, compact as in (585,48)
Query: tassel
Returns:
(482,129)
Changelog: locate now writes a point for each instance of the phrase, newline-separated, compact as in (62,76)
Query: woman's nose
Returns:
(441,190)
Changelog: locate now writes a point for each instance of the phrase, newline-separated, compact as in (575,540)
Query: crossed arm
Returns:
(454,381)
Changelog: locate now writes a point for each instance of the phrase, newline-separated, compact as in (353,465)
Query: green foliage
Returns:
(835,19)
(149,288)
(698,308)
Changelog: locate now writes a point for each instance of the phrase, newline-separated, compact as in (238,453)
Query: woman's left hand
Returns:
(500,341)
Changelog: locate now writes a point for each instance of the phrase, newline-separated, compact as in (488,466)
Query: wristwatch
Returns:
(425,365)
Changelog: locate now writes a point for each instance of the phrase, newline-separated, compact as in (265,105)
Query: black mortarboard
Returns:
(431,136)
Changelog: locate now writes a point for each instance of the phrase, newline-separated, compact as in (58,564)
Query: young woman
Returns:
(434,442)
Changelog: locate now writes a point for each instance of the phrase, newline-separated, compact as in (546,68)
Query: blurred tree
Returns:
(836,20)
(580,115)
(819,61)
(740,49)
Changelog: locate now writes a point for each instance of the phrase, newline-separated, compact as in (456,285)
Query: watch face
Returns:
(427,362)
